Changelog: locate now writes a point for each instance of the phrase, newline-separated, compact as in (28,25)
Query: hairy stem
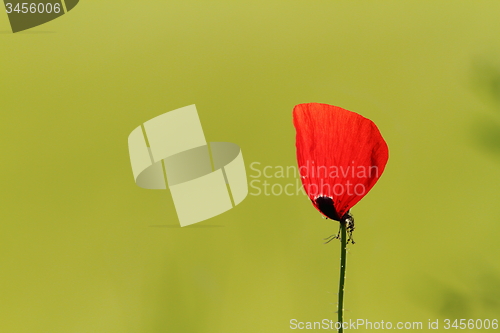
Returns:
(343,246)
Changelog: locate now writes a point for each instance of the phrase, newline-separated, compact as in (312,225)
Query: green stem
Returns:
(343,246)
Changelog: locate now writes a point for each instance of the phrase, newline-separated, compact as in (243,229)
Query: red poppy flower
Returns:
(340,154)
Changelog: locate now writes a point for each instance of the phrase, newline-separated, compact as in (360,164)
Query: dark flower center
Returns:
(325,205)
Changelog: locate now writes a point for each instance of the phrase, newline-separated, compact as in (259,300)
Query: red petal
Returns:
(340,154)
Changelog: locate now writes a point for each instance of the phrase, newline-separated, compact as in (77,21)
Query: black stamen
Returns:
(326,206)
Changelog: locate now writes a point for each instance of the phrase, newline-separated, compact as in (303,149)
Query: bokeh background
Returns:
(83,249)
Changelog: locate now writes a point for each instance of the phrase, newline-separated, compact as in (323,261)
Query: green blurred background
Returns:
(83,249)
